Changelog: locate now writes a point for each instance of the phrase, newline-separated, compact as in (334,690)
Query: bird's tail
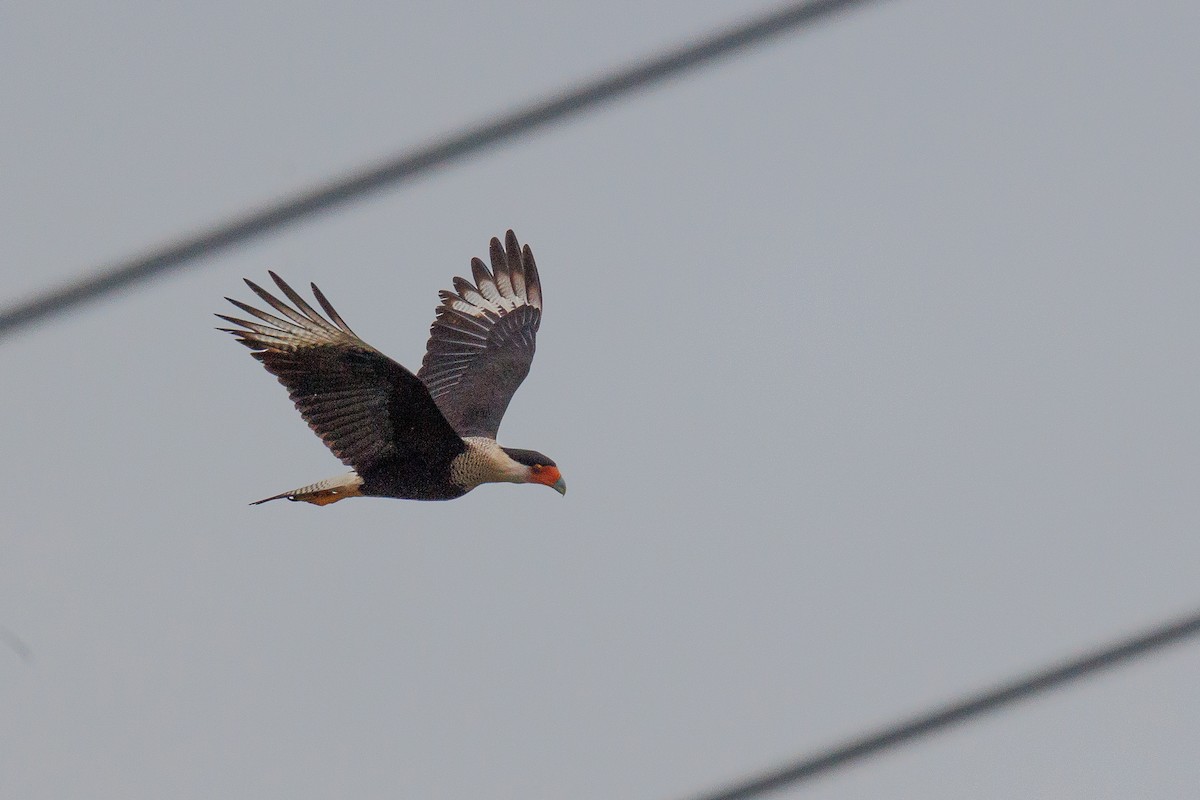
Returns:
(323,492)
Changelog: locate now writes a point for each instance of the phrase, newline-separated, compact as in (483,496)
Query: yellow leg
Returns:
(323,497)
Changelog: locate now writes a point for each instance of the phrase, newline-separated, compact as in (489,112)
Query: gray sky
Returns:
(869,358)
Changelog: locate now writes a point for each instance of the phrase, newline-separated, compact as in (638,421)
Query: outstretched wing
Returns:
(364,406)
(482,341)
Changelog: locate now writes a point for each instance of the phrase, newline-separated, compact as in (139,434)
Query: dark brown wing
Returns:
(482,342)
(364,406)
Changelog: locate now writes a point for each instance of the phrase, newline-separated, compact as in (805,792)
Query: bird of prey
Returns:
(429,436)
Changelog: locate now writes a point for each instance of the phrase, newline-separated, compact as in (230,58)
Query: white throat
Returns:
(486,462)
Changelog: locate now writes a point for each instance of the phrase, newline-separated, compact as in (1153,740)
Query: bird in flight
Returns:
(429,436)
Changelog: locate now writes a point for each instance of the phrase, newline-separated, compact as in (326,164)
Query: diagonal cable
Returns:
(967,708)
(413,163)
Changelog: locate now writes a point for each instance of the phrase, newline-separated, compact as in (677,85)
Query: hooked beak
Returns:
(549,476)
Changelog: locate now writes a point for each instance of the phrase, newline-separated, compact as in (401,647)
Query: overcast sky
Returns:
(869,357)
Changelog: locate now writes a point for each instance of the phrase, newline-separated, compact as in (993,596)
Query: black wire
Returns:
(409,165)
(962,710)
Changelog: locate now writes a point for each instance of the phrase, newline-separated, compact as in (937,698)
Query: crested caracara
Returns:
(429,436)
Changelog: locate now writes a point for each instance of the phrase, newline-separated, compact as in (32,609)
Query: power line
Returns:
(872,743)
(406,166)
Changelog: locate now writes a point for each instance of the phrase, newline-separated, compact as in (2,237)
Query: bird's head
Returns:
(541,468)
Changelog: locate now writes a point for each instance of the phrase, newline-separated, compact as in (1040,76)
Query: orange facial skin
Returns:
(548,476)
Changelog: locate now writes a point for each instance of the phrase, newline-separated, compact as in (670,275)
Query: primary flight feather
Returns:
(429,436)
